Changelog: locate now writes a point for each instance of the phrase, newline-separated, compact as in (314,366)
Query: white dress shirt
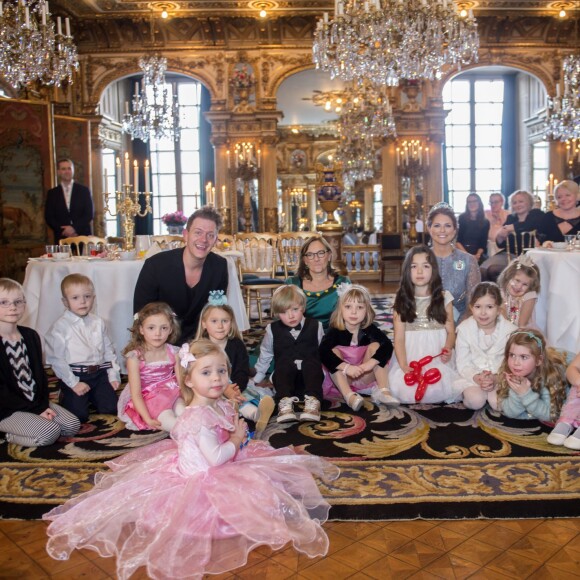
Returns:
(73,340)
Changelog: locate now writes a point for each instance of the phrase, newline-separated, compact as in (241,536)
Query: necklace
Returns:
(322,292)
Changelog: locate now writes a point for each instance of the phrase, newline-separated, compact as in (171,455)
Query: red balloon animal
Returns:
(416,376)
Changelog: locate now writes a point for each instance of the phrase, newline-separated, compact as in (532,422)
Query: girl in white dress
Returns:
(480,345)
(423,322)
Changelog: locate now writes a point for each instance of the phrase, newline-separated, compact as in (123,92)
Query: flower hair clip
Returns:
(185,356)
(524,260)
(217,298)
(343,288)
(136,316)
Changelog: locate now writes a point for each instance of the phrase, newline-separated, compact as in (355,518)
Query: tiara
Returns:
(185,356)
(524,260)
(217,298)
(530,335)
(343,288)
(441,205)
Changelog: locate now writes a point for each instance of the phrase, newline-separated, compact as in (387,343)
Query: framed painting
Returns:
(26,169)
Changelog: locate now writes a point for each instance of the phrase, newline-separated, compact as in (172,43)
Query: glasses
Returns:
(312,255)
(8,303)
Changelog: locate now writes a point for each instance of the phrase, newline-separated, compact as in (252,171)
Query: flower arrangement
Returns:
(242,78)
(177,218)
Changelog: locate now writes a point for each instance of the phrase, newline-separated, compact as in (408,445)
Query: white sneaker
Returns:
(311,410)
(286,410)
(559,434)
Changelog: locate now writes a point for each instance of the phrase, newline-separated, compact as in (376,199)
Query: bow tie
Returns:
(296,328)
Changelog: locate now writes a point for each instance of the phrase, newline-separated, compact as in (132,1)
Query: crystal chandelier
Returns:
(389,40)
(563,121)
(154,114)
(366,115)
(30,49)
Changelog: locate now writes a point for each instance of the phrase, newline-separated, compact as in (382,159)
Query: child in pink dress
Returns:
(151,398)
(174,506)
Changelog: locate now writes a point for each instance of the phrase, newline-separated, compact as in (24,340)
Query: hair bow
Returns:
(217,298)
(343,288)
(136,316)
(524,260)
(185,356)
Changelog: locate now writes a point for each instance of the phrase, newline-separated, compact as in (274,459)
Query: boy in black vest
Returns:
(292,341)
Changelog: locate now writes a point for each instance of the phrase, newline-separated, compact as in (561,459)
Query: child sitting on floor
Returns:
(81,354)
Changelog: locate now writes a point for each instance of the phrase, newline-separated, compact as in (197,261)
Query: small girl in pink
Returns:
(570,413)
(520,285)
(151,399)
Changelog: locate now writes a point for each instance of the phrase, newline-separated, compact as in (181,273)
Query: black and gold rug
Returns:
(430,461)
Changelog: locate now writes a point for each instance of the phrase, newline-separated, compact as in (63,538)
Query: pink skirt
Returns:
(160,399)
(353,355)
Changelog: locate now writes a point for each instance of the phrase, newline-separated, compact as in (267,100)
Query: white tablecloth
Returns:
(114,287)
(558,308)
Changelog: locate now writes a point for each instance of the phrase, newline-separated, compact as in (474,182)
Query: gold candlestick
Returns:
(128,205)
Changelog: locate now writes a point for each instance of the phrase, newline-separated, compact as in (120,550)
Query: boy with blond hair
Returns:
(81,353)
(292,341)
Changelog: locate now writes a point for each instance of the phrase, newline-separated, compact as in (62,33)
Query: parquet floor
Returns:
(538,549)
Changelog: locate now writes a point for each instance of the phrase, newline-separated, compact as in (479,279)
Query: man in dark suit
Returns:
(69,206)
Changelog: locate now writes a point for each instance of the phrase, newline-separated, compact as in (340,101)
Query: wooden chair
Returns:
(257,267)
(82,244)
(289,248)
(168,241)
(392,250)
(528,241)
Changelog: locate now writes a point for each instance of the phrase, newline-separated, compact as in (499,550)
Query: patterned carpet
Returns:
(429,461)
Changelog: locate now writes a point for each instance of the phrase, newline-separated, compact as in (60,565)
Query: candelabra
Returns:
(247,161)
(154,114)
(389,40)
(30,49)
(413,164)
(127,198)
(550,186)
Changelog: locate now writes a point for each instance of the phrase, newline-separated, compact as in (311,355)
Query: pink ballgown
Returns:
(175,509)
(159,389)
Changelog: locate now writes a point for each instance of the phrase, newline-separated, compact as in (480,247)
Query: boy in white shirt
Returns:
(81,353)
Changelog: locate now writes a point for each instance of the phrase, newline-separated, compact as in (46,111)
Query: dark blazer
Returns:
(240,361)
(79,216)
(162,278)
(535,220)
(12,398)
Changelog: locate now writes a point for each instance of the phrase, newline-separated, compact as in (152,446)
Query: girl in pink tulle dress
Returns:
(151,399)
(199,502)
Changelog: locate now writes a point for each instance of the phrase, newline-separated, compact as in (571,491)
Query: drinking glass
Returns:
(112,250)
(50,250)
(142,244)
(570,241)
(65,249)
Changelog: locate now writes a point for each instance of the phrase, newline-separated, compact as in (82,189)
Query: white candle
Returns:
(135,176)
(427,156)
(228,158)
(259,157)
(67,26)
(105,186)
(224,197)
(136,89)
(27,17)
(398,157)
(127,169)
(126,108)
(58,26)
(118,173)
(1,9)
(147,190)
(326,18)
(44,8)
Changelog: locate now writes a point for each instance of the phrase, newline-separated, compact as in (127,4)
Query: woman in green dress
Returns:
(318,279)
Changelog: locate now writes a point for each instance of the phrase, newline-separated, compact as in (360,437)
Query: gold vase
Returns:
(330,206)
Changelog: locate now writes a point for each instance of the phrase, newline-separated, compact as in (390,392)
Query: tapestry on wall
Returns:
(26,169)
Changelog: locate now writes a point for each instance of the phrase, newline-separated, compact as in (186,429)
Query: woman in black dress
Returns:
(473,228)
(565,219)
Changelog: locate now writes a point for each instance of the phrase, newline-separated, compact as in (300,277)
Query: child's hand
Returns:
(519,385)
(240,431)
(115,384)
(48,414)
(233,393)
(81,388)
(446,356)
(368,366)
(153,423)
(354,372)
